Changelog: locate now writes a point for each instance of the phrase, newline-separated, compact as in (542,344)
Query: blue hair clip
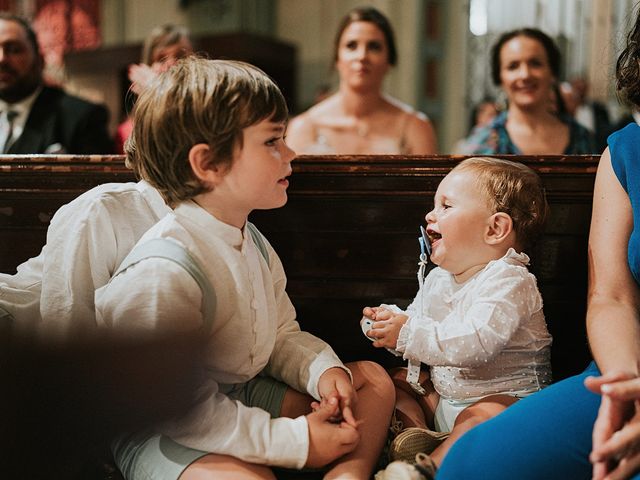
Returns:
(425,245)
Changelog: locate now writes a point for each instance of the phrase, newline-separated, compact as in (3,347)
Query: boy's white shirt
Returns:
(254,329)
(20,294)
(485,336)
(87,240)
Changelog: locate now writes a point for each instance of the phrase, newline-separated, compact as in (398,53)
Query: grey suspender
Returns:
(170,250)
(258,240)
(173,251)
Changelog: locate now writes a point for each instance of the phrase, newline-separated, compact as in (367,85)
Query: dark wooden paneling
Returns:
(347,236)
(33,187)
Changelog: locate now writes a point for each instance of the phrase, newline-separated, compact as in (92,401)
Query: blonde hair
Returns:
(197,101)
(514,189)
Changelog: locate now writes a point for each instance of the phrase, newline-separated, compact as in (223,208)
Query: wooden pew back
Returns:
(347,236)
(33,187)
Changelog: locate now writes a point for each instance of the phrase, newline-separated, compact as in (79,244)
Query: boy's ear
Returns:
(204,168)
(499,228)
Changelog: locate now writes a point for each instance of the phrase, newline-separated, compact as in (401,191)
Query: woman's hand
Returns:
(616,432)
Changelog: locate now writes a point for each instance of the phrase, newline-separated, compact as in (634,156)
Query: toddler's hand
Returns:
(370,312)
(377,313)
(386,332)
(327,440)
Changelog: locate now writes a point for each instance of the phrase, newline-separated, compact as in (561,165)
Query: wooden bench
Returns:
(347,236)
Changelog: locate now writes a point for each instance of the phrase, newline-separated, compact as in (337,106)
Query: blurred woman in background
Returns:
(359,118)
(164,46)
(525,63)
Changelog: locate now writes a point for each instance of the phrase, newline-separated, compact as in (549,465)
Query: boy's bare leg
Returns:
(374,407)
(213,466)
(412,409)
(373,410)
(223,467)
(471,416)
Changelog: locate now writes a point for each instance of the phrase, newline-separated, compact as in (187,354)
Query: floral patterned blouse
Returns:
(494,138)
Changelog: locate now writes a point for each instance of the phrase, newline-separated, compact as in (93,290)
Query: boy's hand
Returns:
(335,383)
(327,440)
(386,329)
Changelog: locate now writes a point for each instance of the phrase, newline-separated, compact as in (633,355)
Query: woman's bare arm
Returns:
(614,297)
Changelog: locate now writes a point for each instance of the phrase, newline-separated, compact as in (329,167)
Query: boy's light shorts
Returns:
(148,456)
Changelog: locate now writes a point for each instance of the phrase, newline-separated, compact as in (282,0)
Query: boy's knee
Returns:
(374,375)
(214,466)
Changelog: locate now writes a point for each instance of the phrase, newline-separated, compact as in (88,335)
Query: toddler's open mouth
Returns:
(433,236)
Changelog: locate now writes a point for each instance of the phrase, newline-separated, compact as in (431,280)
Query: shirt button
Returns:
(254,304)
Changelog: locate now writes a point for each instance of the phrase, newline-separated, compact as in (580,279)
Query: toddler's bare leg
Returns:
(223,467)
(470,417)
(412,409)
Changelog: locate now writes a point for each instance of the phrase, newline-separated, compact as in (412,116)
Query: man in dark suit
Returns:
(35,118)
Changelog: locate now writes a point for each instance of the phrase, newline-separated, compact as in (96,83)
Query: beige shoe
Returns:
(412,441)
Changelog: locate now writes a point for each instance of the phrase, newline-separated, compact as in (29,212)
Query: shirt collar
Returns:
(23,106)
(514,257)
(153,198)
(197,215)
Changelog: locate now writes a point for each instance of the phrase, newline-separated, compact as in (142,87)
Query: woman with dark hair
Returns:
(586,426)
(359,118)
(525,63)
